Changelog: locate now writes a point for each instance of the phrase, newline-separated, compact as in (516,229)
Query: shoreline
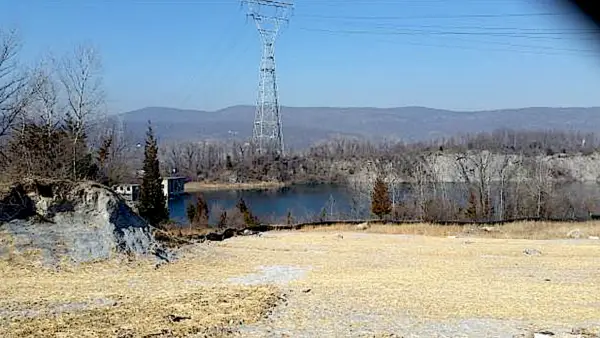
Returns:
(192,187)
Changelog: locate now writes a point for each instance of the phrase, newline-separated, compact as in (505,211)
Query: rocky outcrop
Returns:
(452,168)
(78,222)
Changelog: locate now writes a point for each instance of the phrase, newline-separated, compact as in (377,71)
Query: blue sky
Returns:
(459,54)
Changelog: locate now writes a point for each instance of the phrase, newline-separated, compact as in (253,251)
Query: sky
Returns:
(459,54)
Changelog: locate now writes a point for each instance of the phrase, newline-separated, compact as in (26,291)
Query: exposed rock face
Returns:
(78,222)
(445,167)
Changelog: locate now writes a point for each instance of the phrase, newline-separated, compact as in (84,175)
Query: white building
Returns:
(130,192)
(173,186)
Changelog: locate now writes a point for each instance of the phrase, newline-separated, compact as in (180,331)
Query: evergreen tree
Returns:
(153,204)
(202,209)
(197,213)
(249,219)
(323,215)
(222,220)
(228,163)
(471,211)
(381,204)
(102,157)
(190,210)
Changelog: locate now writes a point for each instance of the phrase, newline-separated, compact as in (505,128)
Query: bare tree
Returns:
(475,169)
(116,153)
(507,172)
(395,183)
(360,202)
(43,112)
(13,83)
(541,185)
(45,105)
(81,77)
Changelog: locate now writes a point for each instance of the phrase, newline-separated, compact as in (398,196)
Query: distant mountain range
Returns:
(305,126)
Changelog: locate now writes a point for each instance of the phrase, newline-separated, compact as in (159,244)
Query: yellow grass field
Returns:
(516,230)
(337,283)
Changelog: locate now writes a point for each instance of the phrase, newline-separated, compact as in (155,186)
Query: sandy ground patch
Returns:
(413,286)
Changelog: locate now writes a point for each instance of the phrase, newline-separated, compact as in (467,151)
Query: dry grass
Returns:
(387,277)
(429,278)
(517,230)
(206,310)
(175,235)
(187,231)
(208,186)
(128,299)
(392,229)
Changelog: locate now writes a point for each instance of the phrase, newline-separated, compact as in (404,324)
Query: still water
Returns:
(307,202)
(271,204)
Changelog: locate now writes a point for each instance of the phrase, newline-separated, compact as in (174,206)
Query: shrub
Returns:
(249,218)
(381,204)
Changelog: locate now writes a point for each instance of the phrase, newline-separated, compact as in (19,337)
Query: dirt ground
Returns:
(318,284)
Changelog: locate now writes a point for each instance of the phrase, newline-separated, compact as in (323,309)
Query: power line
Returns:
(468,31)
(537,49)
(462,27)
(442,33)
(225,49)
(455,16)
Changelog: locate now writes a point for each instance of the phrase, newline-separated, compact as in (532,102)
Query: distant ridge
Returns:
(306,125)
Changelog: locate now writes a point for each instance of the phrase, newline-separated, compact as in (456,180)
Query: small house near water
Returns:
(173,186)
(129,191)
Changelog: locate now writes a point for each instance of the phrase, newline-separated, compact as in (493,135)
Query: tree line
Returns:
(53,116)
(334,160)
(53,124)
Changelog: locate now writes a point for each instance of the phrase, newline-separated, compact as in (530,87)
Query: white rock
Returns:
(532,252)
(575,234)
(90,221)
(594,237)
(362,226)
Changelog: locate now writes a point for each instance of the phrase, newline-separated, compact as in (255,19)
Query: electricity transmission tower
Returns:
(269,16)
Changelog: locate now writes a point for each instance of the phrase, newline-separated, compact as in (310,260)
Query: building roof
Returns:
(174,178)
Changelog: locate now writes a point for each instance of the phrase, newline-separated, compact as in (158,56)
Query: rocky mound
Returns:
(80,222)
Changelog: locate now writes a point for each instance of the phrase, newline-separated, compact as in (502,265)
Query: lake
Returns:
(301,201)
(307,202)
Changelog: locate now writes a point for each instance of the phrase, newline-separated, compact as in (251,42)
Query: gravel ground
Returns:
(277,274)
(321,304)
(306,316)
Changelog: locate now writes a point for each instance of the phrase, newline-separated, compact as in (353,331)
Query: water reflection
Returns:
(310,202)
